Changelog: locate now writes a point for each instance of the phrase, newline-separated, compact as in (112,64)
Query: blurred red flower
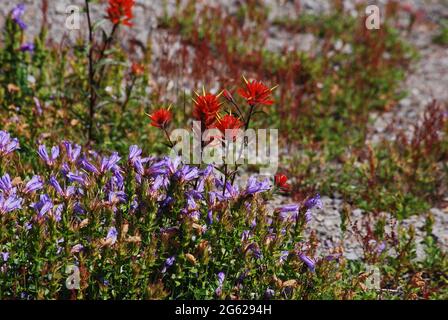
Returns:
(137,69)
(206,108)
(160,118)
(120,12)
(281,181)
(256,92)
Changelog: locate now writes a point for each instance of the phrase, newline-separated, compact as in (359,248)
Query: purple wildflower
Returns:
(138,166)
(108,163)
(159,182)
(38,106)
(9,204)
(71,190)
(254,186)
(308,215)
(16,15)
(134,153)
(77,248)
(7,145)
(28,225)
(230,192)
(57,212)
(43,205)
(210,216)
(116,197)
(48,159)
(314,202)
(33,185)
(192,208)
(118,178)
(88,166)
(60,248)
(157,168)
(381,247)
(269,293)
(166,202)
(78,209)
(255,250)
(6,184)
(191,200)
(65,168)
(245,235)
(253,223)
(55,184)
(288,212)
(204,175)
(72,152)
(310,263)
(221,277)
(5,256)
(172,164)
(112,235)
(284,256)
(187,173)
(168,263)
(76,177)
(27,47)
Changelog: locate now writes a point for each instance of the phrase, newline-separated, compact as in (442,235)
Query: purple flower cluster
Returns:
(78,182)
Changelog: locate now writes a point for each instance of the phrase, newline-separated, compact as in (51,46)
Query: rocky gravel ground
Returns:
(427,80)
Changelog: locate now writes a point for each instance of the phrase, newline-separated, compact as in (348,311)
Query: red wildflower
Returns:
(160,118)
(281,182)
(230,123)
(256,92)
(206,108)
(120,12)
(137,69)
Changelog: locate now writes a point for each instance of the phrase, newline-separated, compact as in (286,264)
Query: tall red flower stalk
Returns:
(255,93)
(118,12)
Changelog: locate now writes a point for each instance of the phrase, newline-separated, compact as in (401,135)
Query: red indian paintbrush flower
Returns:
(160,118)
(120,12)
(229,124)
(281,182)
(206,108)
(256,92)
